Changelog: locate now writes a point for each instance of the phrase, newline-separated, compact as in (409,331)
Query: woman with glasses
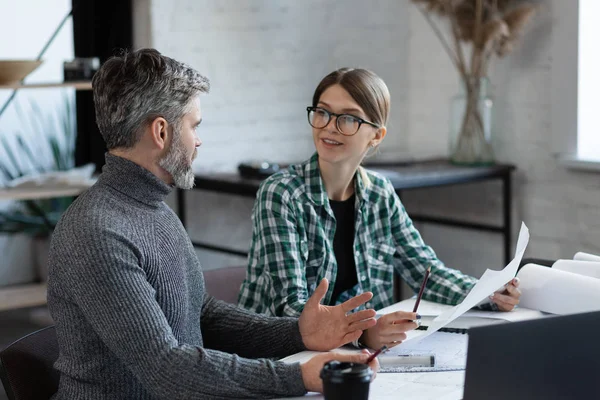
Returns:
(331,218)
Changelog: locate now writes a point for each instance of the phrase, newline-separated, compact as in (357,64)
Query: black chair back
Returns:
(26,366)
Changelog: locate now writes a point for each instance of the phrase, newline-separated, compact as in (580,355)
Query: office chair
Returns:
(26,366)
(224,283)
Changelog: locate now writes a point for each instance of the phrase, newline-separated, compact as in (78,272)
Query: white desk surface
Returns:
(413,386)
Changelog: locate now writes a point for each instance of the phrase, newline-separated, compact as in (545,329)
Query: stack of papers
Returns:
(489,282)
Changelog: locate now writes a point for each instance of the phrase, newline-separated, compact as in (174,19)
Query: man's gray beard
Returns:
(175,163)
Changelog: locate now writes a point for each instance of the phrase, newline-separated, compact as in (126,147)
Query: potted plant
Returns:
(48,147)
(478,31)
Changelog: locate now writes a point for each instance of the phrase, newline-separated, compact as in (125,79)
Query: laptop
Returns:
(552,358)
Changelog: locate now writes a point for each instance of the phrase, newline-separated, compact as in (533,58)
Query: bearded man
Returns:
(125,287)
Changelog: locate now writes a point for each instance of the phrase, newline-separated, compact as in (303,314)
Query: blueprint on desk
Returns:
(449,349)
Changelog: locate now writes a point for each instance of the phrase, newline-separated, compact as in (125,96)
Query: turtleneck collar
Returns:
(133,180)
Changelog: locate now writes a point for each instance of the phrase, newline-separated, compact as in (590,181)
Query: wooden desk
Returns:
(423,174)
(412,386)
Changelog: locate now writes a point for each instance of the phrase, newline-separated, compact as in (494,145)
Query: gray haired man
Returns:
(125,287)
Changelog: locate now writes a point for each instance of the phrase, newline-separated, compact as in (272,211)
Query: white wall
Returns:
(559,206)
(264,59)
(26,26)
(25,29)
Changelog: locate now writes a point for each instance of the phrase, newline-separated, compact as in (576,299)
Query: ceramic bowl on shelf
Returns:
(12,71)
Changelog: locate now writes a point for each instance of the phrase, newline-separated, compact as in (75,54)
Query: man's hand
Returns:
(390,329)
(508,298)
(328,327)
(311,369)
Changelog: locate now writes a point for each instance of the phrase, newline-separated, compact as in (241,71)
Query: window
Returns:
(588,85)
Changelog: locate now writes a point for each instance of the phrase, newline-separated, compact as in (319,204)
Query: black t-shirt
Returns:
(343,246)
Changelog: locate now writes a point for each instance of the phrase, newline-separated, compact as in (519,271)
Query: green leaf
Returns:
(48,135)
(32,159)
(56,153)
(9,176)
(15,164)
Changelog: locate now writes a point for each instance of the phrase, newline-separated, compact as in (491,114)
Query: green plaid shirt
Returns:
(292,245)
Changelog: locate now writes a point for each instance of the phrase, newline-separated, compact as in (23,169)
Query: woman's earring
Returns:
(371,145)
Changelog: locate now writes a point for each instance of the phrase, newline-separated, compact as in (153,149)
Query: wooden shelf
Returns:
(21,296)
(76,85)
(40,193)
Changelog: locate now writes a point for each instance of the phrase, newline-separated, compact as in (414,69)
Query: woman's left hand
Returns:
(507,298)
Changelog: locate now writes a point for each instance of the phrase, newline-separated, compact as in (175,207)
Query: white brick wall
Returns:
(559,206)
(264,59)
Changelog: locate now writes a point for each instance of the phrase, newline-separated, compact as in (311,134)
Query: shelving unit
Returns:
(76,85)
(34,294)
(30,294)
(40,193)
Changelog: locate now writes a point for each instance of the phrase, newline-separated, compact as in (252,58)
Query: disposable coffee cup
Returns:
(346,380)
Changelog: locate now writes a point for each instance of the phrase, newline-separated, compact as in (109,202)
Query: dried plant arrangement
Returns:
(486,28)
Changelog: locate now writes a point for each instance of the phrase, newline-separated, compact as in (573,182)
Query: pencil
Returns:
(422,289)
(381,350)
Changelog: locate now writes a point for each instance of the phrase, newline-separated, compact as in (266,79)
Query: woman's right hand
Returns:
(390,329)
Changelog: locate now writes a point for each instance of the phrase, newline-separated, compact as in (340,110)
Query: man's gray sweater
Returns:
(132,317)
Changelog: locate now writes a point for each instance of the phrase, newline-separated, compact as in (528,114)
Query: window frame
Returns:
(565,83)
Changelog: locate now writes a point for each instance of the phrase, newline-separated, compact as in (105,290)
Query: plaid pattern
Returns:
(292,245)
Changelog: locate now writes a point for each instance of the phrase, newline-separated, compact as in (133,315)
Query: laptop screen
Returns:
(552,358)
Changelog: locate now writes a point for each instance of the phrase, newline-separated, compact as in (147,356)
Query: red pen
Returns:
(378,352)
(422,290)
(416,306)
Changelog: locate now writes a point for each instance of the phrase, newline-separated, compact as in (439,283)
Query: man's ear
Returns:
(159,132)
(379,135)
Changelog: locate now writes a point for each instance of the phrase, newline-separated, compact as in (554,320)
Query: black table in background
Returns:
(416,175)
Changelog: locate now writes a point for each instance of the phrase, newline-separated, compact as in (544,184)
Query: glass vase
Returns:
(471,124)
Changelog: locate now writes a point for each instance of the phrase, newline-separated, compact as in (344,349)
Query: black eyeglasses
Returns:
(347,124)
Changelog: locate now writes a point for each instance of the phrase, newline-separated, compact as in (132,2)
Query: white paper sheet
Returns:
(518,314)
(489,282)
(426,308)
(558,292)
(585,268)
(450,350)
(429,310)
(581,256)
